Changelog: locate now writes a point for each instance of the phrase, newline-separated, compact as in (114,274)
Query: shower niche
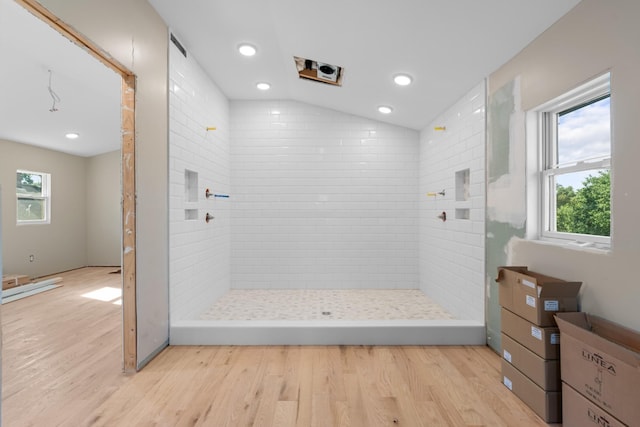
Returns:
(190,195)
(462,210)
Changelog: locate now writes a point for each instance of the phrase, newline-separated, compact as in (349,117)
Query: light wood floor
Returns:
(62,365)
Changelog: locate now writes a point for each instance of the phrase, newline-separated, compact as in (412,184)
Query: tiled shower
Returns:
(320,201)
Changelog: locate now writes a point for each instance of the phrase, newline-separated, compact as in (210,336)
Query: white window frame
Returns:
(541,133)
(45,195)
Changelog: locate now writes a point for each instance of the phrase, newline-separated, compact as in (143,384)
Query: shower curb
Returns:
(424,332)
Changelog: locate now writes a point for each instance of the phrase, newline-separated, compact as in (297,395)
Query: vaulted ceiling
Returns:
(446,46)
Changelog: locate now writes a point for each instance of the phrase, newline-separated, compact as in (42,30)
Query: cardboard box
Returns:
(543,341)
(545,373)
(13,280)
(547,404)
(601,360)
(577,411)
(534,296)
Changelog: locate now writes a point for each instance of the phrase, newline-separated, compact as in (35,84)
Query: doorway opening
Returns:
(128,214)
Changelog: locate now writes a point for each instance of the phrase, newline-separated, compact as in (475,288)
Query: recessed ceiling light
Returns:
(263,86)
(384,109)
(72,135)
(402,79)
(247,49)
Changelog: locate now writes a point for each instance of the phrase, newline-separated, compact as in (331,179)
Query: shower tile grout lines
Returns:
(330,304)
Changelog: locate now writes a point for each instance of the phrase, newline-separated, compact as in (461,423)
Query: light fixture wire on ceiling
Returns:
(54,95)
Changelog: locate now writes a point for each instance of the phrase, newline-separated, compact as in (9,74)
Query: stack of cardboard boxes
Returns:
(530,337)
(600,372)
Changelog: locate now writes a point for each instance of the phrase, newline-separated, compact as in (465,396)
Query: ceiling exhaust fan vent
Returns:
(319,71)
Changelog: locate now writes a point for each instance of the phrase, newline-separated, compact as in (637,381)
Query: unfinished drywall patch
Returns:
(506,192)
(506,157)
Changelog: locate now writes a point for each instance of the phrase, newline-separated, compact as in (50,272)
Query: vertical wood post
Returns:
(129,224)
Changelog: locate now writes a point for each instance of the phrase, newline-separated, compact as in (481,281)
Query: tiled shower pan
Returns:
(326,317)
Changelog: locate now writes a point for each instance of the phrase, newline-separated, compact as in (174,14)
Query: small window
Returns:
(575,173)
(33,193)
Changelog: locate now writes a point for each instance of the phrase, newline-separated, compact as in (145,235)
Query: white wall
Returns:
(321,199)
(199,257)
(1,269)
(103,209)
(60,245)
(593,37)
(85,211)
(452,252)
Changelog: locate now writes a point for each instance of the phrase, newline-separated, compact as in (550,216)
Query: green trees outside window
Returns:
(32,192)
(586,210)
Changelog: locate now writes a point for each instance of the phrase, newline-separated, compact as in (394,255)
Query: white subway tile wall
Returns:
(321,199)
(452,253)
(199,260)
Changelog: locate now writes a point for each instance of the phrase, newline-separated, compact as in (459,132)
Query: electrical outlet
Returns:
(31,258)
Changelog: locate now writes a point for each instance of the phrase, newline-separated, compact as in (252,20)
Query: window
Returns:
(575,159)
(33,193)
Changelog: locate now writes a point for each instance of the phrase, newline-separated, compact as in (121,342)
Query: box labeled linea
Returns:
(547,404)
(545,373)
(534,296)
(578,411)
(543,341)
(601,361)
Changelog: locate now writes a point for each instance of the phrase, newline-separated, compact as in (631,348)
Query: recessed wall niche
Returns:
(462,185)
(190,186)
(462,194)
(190,214)
(190,194)
(462,213)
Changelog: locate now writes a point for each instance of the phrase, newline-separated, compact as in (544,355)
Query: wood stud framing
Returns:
(129,224)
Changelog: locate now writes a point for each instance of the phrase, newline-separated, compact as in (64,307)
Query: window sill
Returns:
(592,247)
(22,223)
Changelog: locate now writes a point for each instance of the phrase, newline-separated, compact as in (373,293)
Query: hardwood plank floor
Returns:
(62,366)
(62,351)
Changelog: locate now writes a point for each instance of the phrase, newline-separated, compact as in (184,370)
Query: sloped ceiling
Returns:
(447,46)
